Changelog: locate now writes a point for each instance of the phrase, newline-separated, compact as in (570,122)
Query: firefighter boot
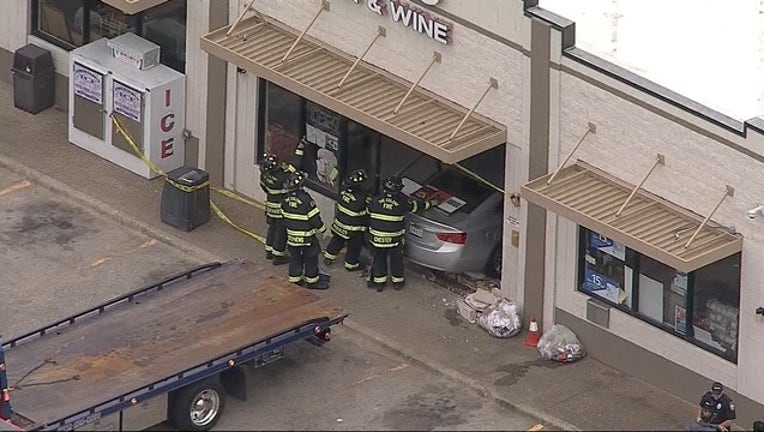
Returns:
(320,285)
(280,260)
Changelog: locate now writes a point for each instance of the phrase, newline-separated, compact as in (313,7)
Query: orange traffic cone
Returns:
(533,333)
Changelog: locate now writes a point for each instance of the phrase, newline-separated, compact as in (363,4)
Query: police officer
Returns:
(720,405)
(704,423)
(302,220)
(272,177)
(349,221)
(387,230)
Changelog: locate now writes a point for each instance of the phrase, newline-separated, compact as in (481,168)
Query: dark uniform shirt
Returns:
(350,212)
(701,426)
(722,408)
(386,218)
(272,184)
(302,218)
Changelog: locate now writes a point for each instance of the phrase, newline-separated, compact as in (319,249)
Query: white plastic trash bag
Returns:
(502,319)
(560,344)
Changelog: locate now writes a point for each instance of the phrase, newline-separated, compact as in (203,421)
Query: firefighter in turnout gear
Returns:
(350,221)
(273,175)
(387,230)
(303,221)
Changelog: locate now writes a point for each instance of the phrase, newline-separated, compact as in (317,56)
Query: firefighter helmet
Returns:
(295,180)
(269,162)
(355,178)
(393,184)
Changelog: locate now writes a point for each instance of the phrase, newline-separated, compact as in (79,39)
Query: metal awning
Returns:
(132,7)
(368,95)
(648,224)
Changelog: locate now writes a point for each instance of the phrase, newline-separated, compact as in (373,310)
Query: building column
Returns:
(205,90)
(538,164)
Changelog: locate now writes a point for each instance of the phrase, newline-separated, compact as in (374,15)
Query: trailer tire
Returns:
(198,406)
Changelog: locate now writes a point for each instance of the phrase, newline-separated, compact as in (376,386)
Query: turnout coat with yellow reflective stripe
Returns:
(386,218)
(272,184)
(302,218)
(350,212)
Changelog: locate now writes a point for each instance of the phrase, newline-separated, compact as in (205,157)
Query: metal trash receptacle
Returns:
(186,198)
(33,79)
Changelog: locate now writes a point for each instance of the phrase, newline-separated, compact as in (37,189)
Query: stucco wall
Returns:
(13,24)
(629,135)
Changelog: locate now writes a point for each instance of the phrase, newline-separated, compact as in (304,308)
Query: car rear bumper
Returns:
(448,257)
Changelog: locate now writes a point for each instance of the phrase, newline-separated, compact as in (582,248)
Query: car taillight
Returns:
(456,238)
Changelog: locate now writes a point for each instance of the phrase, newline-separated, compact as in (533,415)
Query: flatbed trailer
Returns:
(170,351)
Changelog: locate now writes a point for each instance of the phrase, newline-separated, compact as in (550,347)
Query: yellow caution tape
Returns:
(480,179)
(230,194)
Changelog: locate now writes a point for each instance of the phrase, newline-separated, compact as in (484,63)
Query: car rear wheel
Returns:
(493,266)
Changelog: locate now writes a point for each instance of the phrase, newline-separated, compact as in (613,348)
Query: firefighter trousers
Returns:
(379,266)
(353,252)
(275,238)
(304,261)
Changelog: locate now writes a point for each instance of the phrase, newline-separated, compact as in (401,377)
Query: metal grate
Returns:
(369,96)
(648,224)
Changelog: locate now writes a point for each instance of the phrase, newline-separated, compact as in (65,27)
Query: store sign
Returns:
(87,83)
(603,286)
(167,125)
(607,246)
(414,18)
(127,101)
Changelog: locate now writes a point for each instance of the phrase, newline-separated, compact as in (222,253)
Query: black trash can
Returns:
(186,198)
(33,79)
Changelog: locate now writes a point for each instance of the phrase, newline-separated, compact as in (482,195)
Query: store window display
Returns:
(708,298)
(283,111)
(716,298)
(73,23)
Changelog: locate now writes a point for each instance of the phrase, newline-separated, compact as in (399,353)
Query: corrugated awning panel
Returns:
(648,224)
(132,7)
(368,96)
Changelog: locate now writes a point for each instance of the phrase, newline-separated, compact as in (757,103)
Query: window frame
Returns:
(688,336)
(88,6)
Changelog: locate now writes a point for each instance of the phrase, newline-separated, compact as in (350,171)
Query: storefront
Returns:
(652,233)
(406,102)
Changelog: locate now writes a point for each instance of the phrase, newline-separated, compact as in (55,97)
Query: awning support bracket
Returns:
(492,84)
(591,129)
(435,59)
(729,192)
(381,32)
(660,160)
(324,7)
(239,18)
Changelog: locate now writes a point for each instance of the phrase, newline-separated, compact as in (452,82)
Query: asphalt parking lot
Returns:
(59,257)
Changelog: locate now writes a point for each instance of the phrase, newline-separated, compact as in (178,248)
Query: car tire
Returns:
(493,265)
(186,410)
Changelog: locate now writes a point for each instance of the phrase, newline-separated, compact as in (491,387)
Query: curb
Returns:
(106,210)
(480,388)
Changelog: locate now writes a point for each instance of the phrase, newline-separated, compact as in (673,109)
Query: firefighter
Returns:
(272,177)
(303,221)
(387,231)
(349,221)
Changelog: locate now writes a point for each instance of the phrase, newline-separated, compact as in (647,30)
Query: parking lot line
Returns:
(14,187)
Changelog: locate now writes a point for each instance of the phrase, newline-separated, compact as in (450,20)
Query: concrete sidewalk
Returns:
(419,322)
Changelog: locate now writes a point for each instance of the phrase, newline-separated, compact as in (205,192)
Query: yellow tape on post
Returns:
(219,213)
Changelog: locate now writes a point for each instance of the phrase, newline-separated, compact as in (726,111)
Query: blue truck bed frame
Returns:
(316,331)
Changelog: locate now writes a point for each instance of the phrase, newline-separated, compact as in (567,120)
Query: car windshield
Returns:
(463,188)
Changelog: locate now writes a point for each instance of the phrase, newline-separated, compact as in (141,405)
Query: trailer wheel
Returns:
(198,406)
